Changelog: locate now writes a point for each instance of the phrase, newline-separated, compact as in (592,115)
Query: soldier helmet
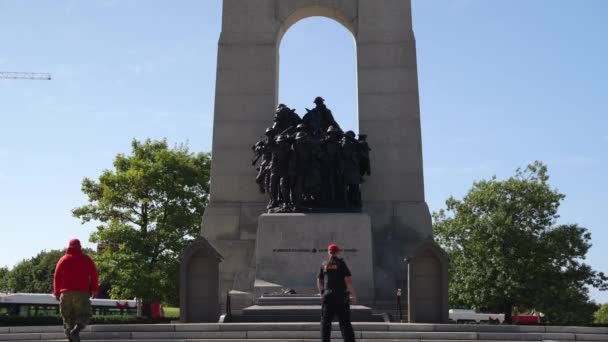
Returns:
(269,131)
(301,135)
(350,134)
(301,127)
(281,138)
(319,99)
(281,108)
(333,129)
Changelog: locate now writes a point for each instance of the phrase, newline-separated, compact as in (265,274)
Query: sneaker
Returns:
(75,333)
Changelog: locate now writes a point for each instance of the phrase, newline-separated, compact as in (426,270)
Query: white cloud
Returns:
(461,4)
(4,151)
(203,120)
(464,140)
(161,115)
(152,65)
(109,114)
(109,3)
(578,160)
(69,8)
(482,169)
(144,68)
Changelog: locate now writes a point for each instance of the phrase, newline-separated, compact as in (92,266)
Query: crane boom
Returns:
(9,75)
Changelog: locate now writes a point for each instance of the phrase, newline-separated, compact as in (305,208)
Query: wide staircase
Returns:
(304,332)
(294,308)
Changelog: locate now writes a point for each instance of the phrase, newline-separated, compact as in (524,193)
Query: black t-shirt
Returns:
(332,273)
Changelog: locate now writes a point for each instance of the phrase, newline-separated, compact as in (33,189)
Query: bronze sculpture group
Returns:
(309,163)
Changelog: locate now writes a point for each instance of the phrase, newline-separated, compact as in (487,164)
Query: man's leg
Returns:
(82,314)
(274,190)
(348,335)
(327,315)
(66,309)
(84,310)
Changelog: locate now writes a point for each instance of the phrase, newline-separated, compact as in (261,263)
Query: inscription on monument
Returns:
(313,250)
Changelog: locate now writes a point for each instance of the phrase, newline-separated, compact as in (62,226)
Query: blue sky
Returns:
(502,83)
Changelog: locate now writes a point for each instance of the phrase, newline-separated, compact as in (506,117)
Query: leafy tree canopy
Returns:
(507,250)
(34,275)
(601,315)
(4,272)
(148,208)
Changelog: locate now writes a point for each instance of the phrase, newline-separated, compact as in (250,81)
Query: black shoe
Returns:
(75,333)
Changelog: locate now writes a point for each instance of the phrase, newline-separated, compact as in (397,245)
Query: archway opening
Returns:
(317,57)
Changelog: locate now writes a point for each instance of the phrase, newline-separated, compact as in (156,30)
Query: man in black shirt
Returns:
(335,284)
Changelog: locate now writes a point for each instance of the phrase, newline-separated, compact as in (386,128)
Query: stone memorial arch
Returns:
(388,111)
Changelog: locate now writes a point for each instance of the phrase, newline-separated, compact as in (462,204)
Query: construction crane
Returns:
(9,75)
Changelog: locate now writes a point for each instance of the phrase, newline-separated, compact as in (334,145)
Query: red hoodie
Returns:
(75,271)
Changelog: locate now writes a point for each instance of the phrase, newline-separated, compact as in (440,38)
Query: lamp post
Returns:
(399,305)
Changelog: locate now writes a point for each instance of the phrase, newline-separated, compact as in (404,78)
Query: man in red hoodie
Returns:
(76,281)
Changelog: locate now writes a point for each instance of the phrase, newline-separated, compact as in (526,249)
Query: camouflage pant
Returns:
(75,308)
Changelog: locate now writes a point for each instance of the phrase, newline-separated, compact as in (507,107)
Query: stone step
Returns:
(310,332)
(333,339)
(298,313)
(288,300)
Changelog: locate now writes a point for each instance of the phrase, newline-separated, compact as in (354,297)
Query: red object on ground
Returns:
(121,305)
(75,271)
(155,310)
(527,319)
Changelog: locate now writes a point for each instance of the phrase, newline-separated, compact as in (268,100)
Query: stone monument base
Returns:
(291,247)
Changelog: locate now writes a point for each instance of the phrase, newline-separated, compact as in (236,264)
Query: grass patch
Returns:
(171,312)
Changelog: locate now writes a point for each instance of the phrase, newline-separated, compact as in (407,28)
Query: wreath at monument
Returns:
(309,164)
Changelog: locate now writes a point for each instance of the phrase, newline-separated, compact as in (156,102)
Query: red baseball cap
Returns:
(333,248)
(74,243)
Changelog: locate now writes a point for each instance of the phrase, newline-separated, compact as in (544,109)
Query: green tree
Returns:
(601,315)
(4,273)
(149,207)
(506,250)
(34,275)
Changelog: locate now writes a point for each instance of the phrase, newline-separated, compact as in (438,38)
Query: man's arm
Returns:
(94,280)
(57,280)
(320,285)
(351,289)
(320,282)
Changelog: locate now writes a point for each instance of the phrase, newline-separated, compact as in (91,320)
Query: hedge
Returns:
(16,321)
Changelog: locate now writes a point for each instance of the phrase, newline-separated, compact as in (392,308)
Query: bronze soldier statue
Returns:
(352,178)
(309,164)
(365,167)
(263,149)
(319,118)
(331,169)
(279,173)
(307,187)
(285,118)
